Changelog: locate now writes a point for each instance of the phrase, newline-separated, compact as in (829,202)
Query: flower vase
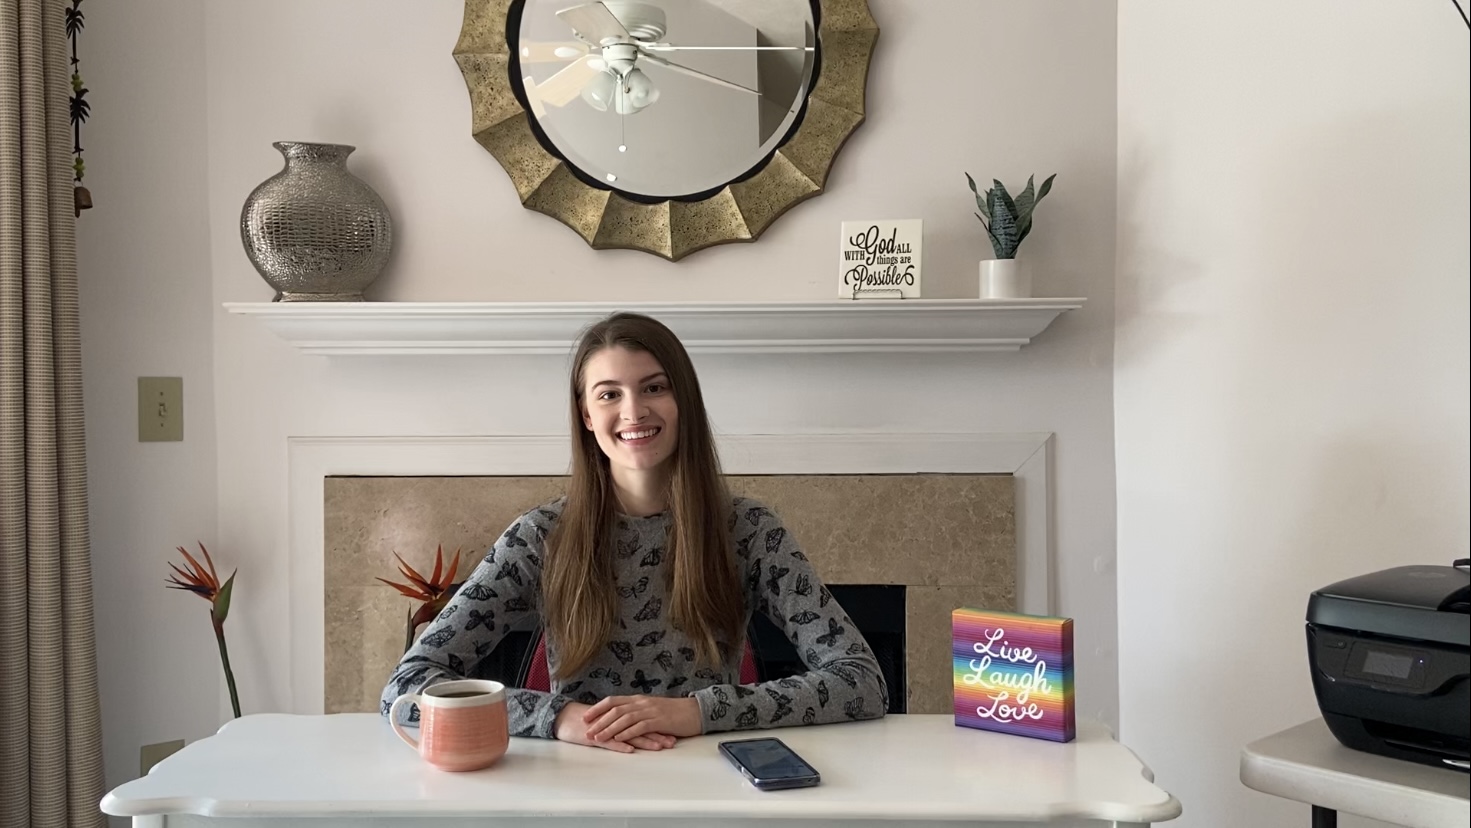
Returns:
(314,231)
(1004,279)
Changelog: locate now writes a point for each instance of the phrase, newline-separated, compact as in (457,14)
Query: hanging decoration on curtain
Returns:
(80,109)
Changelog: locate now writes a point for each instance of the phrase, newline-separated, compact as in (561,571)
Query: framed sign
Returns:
(1014,673)
(880,259)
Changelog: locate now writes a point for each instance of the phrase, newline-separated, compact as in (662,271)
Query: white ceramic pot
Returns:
(1004,279)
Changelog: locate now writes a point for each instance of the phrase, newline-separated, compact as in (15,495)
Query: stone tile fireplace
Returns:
(948,520)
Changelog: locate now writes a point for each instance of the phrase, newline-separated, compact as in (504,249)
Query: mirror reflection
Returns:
(669,98)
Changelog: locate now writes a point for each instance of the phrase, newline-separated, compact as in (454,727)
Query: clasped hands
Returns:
(628,723)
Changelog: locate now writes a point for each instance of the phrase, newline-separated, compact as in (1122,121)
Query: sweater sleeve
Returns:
(843,681)
(501,594)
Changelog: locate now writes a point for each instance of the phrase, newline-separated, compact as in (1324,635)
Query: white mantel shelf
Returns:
(836,326)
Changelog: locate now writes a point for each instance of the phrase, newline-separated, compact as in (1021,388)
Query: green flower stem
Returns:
(229,674)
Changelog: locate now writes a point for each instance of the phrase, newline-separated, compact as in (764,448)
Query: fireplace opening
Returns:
(878,612)
(510,661)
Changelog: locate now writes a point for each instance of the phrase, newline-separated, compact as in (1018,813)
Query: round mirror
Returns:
(665,125)
(668,98)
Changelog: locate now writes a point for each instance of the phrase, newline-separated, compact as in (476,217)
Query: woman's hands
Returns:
(630,719)
(571,726)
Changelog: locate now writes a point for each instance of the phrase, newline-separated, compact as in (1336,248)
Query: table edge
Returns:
(1165,807)
(1169,809)
(1272,776)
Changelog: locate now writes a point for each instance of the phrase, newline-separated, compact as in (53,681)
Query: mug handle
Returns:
(393,718)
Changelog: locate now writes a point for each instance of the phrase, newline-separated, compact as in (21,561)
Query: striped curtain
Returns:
(50,726)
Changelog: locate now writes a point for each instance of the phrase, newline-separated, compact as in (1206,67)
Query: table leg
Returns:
(1324,817)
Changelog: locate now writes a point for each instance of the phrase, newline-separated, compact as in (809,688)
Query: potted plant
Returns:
(1007,221)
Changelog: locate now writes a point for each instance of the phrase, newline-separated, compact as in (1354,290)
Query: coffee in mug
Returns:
(462,724)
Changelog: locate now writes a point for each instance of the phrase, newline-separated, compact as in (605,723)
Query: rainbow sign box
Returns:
(1014,673)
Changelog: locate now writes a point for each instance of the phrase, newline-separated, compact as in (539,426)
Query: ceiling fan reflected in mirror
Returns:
(614,38)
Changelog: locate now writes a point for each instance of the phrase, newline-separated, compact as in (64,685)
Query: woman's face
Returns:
(629,407)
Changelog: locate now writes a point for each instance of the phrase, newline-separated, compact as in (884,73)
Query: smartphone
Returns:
(769,764)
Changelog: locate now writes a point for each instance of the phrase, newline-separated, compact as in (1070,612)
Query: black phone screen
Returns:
(769,759)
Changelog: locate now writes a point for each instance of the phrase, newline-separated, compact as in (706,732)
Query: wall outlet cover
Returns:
(150,755)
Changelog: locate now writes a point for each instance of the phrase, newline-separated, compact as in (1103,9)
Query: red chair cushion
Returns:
(538,677)
(748,665)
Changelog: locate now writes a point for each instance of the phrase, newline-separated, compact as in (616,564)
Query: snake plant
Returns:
(1007,220)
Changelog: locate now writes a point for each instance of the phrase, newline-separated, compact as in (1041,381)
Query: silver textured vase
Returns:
(314,231)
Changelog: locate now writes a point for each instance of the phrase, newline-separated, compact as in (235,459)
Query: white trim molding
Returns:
(834,326)
(311,460)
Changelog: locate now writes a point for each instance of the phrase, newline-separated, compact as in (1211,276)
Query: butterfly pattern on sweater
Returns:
(648,655)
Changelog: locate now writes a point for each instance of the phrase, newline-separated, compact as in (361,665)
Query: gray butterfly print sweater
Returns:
(646,655)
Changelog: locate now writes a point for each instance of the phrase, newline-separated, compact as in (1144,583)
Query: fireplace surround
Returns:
(989,491)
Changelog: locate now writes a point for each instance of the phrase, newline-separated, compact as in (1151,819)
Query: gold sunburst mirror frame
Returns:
(738,212)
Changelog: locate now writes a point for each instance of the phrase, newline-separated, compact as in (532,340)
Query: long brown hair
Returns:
(707,600)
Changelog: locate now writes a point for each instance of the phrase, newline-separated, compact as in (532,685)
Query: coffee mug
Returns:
(462,724)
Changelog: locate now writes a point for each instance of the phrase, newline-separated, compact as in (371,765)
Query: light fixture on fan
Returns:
(614,39)
(620,85)
(626,96)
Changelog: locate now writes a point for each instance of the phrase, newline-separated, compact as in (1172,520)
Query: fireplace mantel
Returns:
(834,326)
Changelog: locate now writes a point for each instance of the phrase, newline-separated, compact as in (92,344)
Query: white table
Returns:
(1307,764)
(346,769)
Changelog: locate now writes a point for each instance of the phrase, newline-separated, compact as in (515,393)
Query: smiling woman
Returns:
(646,576)
(628,406)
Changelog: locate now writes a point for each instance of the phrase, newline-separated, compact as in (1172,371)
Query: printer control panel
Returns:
(1382,665)
(1386,664)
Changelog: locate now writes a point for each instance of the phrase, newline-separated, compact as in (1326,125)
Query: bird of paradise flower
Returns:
(433,592)
(206,584)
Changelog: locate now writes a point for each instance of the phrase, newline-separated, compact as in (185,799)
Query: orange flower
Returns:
(206,584)
(426,589)
(434,592)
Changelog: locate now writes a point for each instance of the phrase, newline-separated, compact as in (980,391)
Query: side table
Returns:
(1307,764)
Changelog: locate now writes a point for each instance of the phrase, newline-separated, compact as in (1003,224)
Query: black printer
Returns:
(1391,660)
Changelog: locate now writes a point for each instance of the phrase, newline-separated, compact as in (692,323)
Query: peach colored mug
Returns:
(462,724)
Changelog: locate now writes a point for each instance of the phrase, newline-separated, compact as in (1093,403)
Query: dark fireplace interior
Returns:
(877,610)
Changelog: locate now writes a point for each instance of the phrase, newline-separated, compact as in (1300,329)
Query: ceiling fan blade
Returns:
(533,100)
(694,73)
(594,23)
(561,88)
(552,52)
(665,47)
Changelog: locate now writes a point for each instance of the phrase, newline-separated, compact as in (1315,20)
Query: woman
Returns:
(645,576)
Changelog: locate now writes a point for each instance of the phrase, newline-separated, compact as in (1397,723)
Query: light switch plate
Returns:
(150,755)
(160,409)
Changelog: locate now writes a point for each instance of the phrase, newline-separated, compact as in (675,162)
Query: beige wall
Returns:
(146,294)
(384,80)
(379,74)
(1291,384)
(1286,415)
(185,116)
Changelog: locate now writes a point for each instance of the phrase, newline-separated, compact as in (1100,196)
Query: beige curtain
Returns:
(50,727)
